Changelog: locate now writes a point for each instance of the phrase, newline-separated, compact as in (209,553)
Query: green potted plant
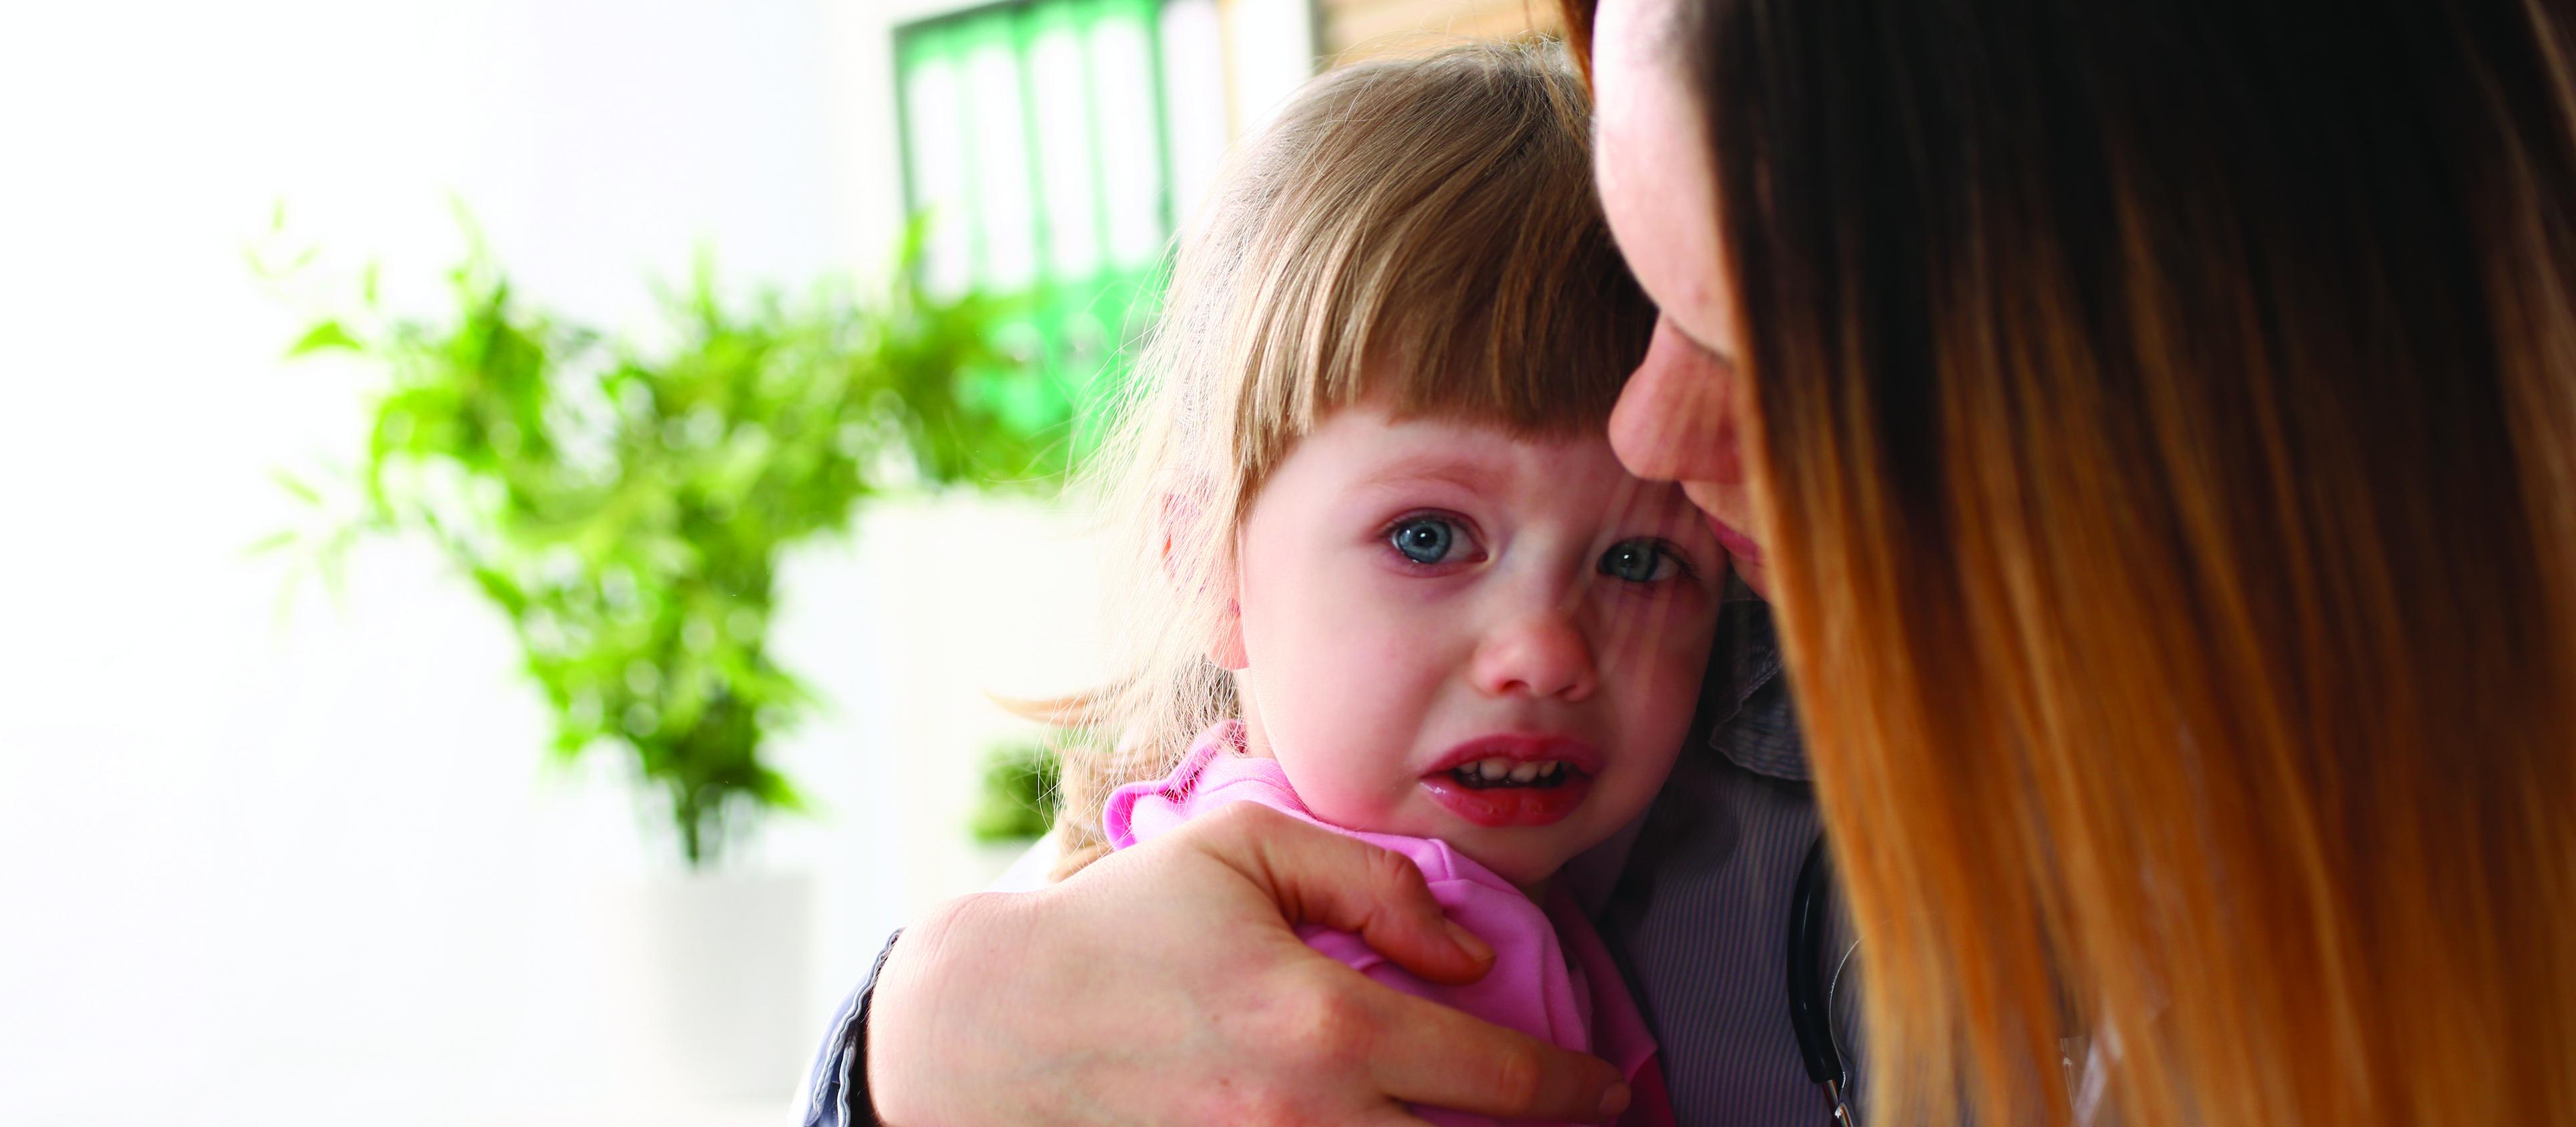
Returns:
(625,509)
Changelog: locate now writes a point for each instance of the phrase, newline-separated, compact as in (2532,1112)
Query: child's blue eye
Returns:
(1639,561)
(1424,540)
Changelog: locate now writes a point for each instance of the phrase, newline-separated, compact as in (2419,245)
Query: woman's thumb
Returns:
(1320,877)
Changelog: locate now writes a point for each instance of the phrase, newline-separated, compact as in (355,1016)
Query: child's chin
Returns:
(1524,868)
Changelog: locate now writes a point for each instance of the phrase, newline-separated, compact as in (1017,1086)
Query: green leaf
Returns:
(326,335)
(271,542)
(296,486)
(774,791)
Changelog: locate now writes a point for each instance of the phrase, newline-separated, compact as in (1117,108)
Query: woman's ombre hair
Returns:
(2163,417)
(1418,233)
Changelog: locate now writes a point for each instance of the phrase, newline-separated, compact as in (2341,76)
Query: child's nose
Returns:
(1542,654)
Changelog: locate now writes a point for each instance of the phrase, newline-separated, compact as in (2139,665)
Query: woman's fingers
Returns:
(1162,986)
(1320,877)
(1436,1056)
(1416,1050)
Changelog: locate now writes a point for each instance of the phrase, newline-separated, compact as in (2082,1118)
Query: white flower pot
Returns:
(725,965)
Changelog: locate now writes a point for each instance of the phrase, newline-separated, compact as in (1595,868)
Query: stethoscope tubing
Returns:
(1810,1001)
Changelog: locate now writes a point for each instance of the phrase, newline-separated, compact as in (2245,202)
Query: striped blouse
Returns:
(1700,912)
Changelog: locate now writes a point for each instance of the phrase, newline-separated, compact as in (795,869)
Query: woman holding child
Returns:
(2154,425)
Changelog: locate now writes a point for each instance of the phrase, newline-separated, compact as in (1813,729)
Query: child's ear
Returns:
(1227,649)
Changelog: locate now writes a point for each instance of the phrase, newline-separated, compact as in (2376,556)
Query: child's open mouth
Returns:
(1513,779)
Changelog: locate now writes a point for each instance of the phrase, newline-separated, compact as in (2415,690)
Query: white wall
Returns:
(310,868)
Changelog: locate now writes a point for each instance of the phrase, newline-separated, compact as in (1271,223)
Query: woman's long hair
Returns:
(2165,413)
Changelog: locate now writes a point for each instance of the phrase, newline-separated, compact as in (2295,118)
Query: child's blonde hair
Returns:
(1420,233)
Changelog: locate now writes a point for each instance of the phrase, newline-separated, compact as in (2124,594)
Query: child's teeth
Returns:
(1504,772)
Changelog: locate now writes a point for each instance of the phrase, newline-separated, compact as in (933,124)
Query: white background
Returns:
(267,867)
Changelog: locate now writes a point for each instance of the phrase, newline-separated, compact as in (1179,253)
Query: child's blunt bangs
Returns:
(1419,234)
(1423,234)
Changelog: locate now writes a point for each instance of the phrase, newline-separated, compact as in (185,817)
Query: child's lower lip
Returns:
(1508,806)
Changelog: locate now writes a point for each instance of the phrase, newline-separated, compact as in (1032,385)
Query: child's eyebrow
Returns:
(1466,473)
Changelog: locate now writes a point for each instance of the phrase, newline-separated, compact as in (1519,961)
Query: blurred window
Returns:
(1053,147)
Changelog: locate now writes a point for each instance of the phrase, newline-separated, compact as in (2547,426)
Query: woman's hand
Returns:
(1163,985)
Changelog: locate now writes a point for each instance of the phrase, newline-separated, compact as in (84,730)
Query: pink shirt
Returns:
(1552,978)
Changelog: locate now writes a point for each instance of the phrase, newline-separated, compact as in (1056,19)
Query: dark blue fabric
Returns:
(836,1089)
